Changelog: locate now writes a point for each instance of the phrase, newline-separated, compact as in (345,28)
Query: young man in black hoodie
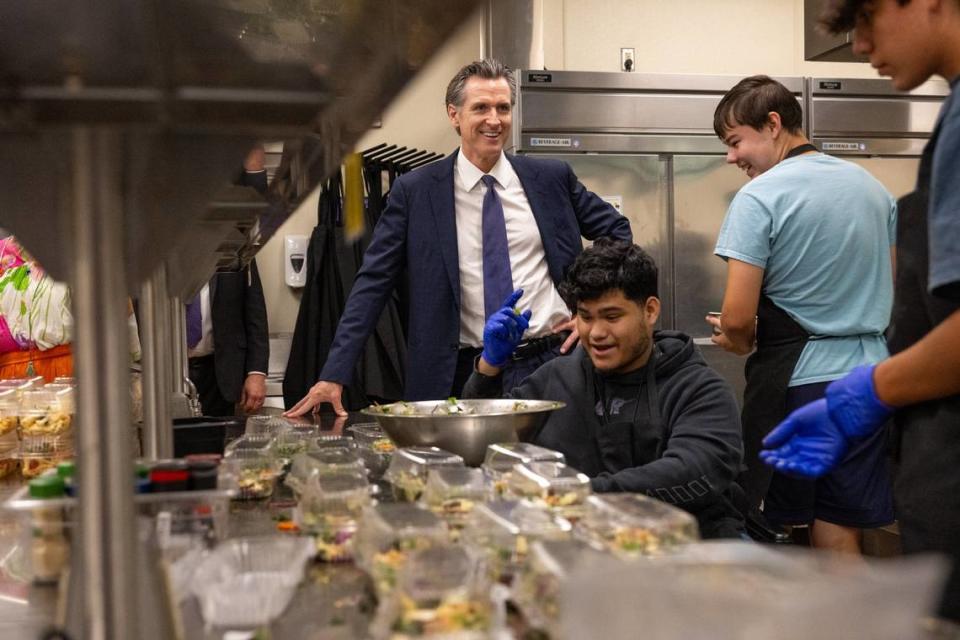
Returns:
(644,413)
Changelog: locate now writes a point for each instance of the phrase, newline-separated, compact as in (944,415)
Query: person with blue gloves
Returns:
(644,413)
(919,385)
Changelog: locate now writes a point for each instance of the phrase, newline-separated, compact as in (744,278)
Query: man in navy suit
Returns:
(434,229)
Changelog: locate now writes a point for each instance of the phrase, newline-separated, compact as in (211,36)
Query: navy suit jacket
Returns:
(417,235)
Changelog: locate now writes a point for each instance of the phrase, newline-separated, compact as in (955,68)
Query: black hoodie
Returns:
(694,469)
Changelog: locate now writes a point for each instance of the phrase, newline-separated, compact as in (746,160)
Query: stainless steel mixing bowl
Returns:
(466,433)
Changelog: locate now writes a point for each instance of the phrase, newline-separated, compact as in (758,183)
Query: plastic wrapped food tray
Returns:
(247,582)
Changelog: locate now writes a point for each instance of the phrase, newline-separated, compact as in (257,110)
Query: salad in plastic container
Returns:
(329,511)
(389,533)
(441,593)
(554,485)
(536,589)
(253,462)
(452,493)
(46,412)
(505,529)
(630,525)
(501,458)
(408,469)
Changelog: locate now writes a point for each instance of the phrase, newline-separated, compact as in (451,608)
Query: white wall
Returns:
(737,37)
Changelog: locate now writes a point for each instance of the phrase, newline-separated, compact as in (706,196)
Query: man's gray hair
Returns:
(488,69)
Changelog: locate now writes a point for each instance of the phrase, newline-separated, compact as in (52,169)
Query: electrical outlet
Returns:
(626,59)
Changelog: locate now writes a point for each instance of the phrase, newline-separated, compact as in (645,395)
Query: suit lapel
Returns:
(445,217)
(537,197)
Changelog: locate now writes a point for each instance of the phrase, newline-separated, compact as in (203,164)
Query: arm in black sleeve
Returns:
(481,386)
(255,317)
(597,218)
(701,458)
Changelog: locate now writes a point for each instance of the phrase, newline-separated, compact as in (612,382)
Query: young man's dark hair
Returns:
(840,16)
(750,102)
(606,266)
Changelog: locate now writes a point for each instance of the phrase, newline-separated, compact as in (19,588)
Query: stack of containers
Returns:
(46,430)
(9,441)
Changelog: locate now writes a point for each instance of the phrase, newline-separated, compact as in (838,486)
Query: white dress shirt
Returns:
(528,262)
(205,346)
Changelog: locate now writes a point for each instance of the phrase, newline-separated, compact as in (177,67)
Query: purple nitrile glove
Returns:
(504,331)
(808,443)
(853,403)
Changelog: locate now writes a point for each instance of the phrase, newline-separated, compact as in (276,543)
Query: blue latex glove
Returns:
(808,443)
(853,403)
(814,438)
(504,331)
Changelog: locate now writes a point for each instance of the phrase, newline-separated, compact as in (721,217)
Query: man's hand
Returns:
(319,393)
(808,443)
(504,331)
(253,393)
(571,341)
(853,403)
(721,340)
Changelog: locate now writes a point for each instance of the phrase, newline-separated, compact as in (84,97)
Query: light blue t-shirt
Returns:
(944,213)
(821,228)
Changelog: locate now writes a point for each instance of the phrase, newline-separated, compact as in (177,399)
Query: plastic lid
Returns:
(46,487)
(66,469)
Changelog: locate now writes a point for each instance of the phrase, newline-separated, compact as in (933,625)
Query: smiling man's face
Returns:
(483,119)
(617,332)
(752,151)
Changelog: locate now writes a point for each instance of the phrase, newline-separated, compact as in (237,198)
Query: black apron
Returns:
(926,435)
(623,444)
(780,342)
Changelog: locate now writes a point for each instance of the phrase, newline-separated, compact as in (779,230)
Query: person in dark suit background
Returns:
(229,351)
(467,231)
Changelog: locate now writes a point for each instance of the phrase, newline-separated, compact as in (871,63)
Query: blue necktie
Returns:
(497,278)
(194,322)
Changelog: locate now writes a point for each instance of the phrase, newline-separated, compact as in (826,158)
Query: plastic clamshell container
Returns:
(252,461)
(40,453)
(441,592)
(452,493)
(266,425)
(9,411)
(330,511)
(330,441)
(289,443)
(536,589)
(388,533)
(247,582)
(501,458)
(9,463)
(44,412)
(630,525)
(504,530)
(407,473)
(555,485)
(369,435)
